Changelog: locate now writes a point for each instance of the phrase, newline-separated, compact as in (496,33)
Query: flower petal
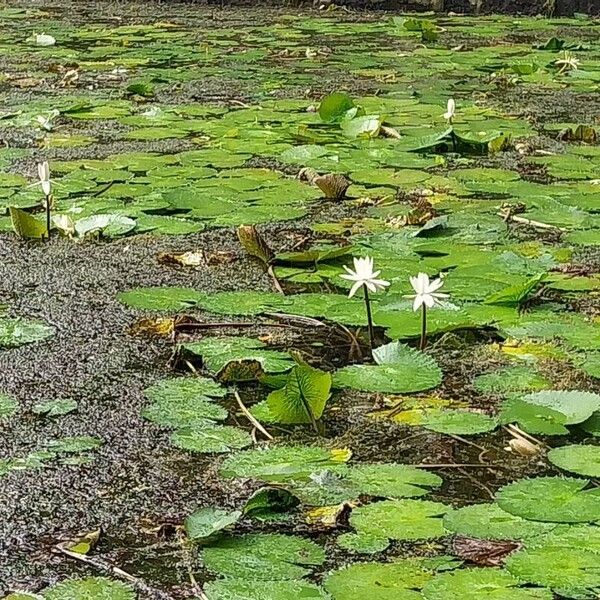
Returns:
(355,288)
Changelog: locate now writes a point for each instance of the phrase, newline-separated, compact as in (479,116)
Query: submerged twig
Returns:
(106,567)
(187,559)
(276,283)
(251,417)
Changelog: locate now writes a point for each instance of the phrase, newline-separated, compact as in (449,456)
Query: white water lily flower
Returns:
(42,39)
(426,292)
(567,63)
(450,110)
(363,275)
(44,175)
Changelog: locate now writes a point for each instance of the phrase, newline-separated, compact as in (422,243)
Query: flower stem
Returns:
(423,341)
(369,319)
(48,216)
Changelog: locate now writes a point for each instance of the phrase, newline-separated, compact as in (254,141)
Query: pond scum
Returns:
(298,305)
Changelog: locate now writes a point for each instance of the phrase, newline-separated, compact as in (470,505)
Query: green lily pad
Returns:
(16,332)
(211,438)
(206,522)
(458,422)
(240,589)
(263,557)
(583,460)
(399,580)
(533,418)
(399,369)
(399,520)
(217,353)
(484,583)
(98,588)
(55,408)
(8,406)
(571,572)
(490,522)
(575,405)
(282,463)
(551,499)
(160,299)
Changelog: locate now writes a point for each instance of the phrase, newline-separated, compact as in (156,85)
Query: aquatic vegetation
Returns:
(207,402)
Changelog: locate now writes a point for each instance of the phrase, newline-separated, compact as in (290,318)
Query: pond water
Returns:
(188,400)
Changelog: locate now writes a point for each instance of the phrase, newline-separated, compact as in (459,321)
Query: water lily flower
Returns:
(567,63)
(42,39)
(426,293)
(450,110)
(366,277)
(44,175)
(426,296)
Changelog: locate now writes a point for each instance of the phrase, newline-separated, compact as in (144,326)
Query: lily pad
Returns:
(399,369)
(263,557)
(458,422)
(16,332)
(206,522)
(241,589)
(575,405)
(399,520)
(551,499)
(211,438)
(98,588)
(583,460)
(484,583)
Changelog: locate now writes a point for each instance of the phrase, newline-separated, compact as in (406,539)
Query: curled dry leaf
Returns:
(523,447)
(186,259)
(485,553)
(157,327)
(308,174)
(332,185)
(254,244)
(329,516)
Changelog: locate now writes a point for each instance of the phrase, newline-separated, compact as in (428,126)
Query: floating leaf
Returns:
(8,406)
(553,499)
(399,370)
(583,460)
(55,408)
(399,520)
(571,572)
(283,463)
(392,480)
(263,557)
(458,422)
(217,353)
(206,522)
(16,332)
(240,589)
(98,588)
(490,522)
(166,299)
(399,580)
(303,398)
(575,405)
(533,418)
(211,438)
(255,244)
(511,379)
(72,445)
(485,583)
(335,107)
(26,225)
(270,503)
